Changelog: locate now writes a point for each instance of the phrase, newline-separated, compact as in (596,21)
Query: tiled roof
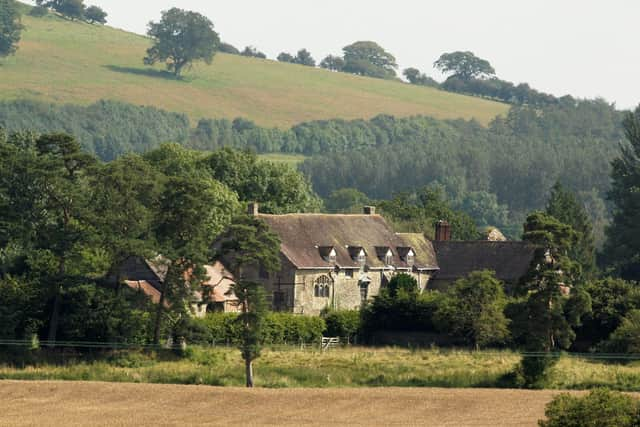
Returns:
(222,282)
(306,237)
(509,260)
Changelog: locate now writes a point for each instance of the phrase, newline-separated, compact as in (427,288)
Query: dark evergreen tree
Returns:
(564,206)
(622,250)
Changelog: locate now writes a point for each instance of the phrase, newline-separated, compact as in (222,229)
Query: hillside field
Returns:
(70,62)
(101,404)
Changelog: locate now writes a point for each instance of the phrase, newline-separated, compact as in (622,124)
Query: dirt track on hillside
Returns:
(42,403)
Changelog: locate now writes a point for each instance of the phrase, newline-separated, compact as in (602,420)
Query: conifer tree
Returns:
(622,250)
(564,206)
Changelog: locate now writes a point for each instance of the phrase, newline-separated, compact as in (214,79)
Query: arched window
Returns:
(322,286)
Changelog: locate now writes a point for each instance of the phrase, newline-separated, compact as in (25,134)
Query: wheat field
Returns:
(71,404)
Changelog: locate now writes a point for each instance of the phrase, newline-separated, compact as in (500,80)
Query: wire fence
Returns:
(34,344)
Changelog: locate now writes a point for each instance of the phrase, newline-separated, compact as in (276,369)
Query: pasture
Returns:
(72,62)
(291,367)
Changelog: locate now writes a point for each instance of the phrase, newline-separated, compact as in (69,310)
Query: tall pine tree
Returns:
(564,206)
(622,250)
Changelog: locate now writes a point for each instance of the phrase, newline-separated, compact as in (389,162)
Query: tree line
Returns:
(69,221)
(496,174)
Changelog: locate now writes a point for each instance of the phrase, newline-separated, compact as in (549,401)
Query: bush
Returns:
(38,11)
(344,324)
(533,370)
(279,328)
(403,313)
(626,338)
(600,408)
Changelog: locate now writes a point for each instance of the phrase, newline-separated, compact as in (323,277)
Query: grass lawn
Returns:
(289,159)
(102,404)
(71,62)
(344,367)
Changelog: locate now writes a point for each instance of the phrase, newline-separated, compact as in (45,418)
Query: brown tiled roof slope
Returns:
(510,260)
(303,235)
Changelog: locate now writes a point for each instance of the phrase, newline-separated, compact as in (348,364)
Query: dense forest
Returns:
(496,174)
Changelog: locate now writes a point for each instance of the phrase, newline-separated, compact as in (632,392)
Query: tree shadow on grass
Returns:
(148,72)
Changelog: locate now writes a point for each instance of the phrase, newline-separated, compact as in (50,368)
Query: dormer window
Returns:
(407,254)
(328,253)
(357,254)
(388,257)
(385,254)
(410,257)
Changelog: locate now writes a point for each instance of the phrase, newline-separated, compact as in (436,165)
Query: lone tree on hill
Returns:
(10,27)
(249,244)
(464,66)
(303,57)
(180,38)
(95,15)
(333,63)
(367,58)
(253,52)
(73,9)
(286,57)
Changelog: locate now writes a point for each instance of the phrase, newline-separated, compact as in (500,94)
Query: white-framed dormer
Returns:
(328,253)
(388,257)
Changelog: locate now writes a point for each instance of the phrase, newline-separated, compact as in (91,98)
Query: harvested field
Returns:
(40,403)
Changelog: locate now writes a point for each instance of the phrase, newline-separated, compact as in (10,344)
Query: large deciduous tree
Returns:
(192,211)
(622,249)
(333,63)
(180,38)
(10,27)
(367,58)
(303,57)
(464,65)
(95,15)
(474,310)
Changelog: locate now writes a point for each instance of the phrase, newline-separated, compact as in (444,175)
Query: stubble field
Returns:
(107,404)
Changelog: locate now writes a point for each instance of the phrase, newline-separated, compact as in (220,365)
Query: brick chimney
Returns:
(253,209)
(443,231)
(369,210)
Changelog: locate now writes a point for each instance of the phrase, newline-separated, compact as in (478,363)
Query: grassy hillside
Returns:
(71,62)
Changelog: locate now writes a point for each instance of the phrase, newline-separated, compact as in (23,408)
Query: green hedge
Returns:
(279,328)
(344,324)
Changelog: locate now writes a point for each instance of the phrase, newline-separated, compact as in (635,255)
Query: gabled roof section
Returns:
(423,251)
(510,260)
(302,235)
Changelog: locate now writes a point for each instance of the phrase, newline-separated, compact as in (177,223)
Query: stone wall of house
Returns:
(347,291)
(294,290)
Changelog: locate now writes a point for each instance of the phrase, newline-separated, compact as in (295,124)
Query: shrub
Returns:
(38,11)
(279,328)
(403,313)
(473,310)
(626,338)
(344,324)
(600,408)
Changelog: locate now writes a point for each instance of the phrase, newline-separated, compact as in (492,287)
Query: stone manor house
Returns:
(340,261)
